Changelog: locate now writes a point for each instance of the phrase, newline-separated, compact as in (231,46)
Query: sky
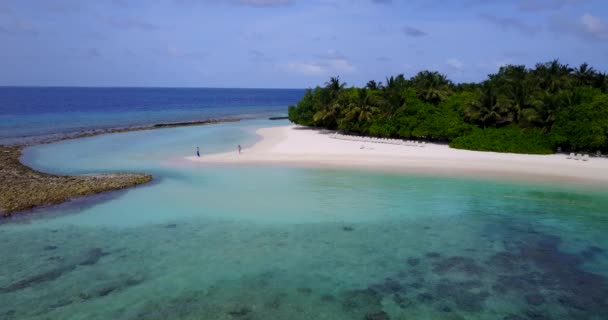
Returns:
(288,43)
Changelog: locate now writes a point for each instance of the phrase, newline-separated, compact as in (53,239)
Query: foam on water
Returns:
(208,242)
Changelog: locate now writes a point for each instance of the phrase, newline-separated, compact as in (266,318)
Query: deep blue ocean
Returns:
(27,112)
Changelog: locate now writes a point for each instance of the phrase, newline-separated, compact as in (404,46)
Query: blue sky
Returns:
(288,43)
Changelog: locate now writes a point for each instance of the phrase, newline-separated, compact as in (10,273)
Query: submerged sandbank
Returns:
(24,188)
(292,145)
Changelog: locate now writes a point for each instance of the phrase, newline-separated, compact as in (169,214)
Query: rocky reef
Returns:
(531,277)
(23,188)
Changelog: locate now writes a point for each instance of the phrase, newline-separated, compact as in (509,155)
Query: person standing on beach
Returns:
(198,154)
(239,148)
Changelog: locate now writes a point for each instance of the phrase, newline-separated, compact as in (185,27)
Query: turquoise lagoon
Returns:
(221,242)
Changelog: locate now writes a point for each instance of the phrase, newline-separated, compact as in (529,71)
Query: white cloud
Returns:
(305,68)
(587,26)
(265,3)
(331,62)
(341,66)
(594,26)
(127,23)
(541,5)
(330,55)
(455,63)
(180,53)
(18,27)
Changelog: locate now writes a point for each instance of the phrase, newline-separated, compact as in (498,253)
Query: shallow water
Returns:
(206,242)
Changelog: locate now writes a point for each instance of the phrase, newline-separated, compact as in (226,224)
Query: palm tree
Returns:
(431,87)
(584,74)
(600,81)
(396,83)
(553,76)
(489,109)
(514,83)
(547,105)
(328,116)
(391,98)
(362,107)
(334,86)
(372,85)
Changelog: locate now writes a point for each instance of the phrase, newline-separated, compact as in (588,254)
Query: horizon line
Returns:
(143,87)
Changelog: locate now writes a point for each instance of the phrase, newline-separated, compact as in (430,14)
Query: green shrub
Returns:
(583,126)
(303,113)
(507,139)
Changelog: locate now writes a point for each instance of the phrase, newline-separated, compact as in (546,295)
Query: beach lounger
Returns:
(586,157)
(570,156)
(578,156)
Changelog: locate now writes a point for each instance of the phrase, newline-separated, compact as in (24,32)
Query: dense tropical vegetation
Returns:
(515,110)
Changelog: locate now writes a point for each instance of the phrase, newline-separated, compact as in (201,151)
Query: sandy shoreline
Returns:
(290,145)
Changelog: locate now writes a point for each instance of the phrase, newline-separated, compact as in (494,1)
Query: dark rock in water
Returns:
(545,253)
(49,248)
(591,251)
(433,254)
(523,282)
(449,287)
(458,264)
(581,293)
(534,315)
(413,261)
(61,303)
(534,299)
(133,282)
(171,226)
(461,294)
(348,228)
(328,298)
(240,312)
(108,289)
(416,285)
(377,316)
(444,308)
(388,286)
(402,301)
(471,302)
(274,302)
(38,279)
(425,297)
(92,256)
(513,317)
(506,262)
(572,303)
(362,301)
(304,290)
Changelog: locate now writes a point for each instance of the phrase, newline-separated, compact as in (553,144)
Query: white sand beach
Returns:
(292,145)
